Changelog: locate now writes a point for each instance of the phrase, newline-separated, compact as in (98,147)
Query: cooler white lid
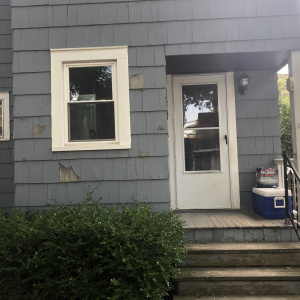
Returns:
(269,192)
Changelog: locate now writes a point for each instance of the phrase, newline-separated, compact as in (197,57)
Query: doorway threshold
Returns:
(228,219)
(222,210)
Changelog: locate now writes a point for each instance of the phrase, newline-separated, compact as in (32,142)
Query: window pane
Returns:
(92,121)
(200,106)
(90,83)
(1,118)
(202,151)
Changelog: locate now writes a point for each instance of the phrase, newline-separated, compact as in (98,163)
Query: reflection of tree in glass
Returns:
(91,80)
(205,97)
(190,134)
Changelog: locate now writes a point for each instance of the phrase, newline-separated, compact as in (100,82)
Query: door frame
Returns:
(232,138)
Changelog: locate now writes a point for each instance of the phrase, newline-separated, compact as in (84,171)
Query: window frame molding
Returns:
(61,61)
(4,96)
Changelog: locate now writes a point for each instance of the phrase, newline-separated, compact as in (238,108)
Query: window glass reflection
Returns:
(200,106)
(90,83)
(90,121)
(202,150)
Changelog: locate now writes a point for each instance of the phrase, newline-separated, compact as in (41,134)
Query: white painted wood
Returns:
(232,142)
(61,60)
(279,165)
(211,189)
(173,203)
(4,96)
(294,71)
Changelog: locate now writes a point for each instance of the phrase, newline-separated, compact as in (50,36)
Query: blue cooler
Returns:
(270,202)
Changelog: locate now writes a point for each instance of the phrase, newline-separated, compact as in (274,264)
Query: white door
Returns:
(201,142)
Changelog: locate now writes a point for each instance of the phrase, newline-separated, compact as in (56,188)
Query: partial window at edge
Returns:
(4,117)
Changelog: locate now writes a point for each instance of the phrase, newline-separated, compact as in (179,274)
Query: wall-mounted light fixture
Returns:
(290,84)
(244,82)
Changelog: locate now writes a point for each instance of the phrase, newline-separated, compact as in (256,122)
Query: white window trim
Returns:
(4,96)
(61,60)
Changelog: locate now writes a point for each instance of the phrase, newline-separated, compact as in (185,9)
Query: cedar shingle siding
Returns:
(6,85)
(152,30)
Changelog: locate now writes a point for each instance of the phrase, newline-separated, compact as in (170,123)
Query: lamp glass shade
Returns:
(244,81)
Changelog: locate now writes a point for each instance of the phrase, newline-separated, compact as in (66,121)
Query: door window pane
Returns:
(92,121)
(200,106)
(90,83)
(202,150)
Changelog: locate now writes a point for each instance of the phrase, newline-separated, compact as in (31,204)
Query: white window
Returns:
(90,99)
(4,117)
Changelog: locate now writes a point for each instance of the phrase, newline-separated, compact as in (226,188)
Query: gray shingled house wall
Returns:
(152,30)
(258,129)
(141,171)
(6,147)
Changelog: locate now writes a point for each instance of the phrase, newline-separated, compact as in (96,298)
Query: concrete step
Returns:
(265,297)
(239,281)
(242,255)
(241,274)
(241,270)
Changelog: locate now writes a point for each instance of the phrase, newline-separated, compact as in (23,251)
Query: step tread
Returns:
(264,297)
(243,247)
(239,273)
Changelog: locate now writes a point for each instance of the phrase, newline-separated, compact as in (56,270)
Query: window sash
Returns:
(68,101)
(91,117)
(111,64)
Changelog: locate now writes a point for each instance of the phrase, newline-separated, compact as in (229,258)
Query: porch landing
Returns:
(235,227)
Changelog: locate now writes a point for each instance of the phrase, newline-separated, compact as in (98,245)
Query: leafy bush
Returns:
(285,116)
(88,251)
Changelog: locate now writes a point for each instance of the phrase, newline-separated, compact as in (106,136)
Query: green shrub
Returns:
(88,251)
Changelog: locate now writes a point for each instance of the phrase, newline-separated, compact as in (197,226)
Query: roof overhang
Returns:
(227,62)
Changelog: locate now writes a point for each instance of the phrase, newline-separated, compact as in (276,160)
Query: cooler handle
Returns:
(275,202)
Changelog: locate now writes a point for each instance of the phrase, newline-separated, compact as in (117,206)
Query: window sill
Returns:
(90,146)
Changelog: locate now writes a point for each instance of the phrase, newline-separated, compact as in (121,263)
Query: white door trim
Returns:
(232,139)
(171,129)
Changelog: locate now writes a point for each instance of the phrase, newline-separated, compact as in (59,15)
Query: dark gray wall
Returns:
(139,172)
(258,129)
(152,30)
(6,147)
